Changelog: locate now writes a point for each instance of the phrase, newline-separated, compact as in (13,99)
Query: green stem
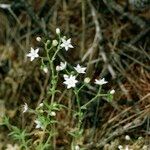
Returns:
(77,99)
(80,88)
(48,139)
(52,71)
(58,48)
(94,98)
(51,63)
(24,143)
(79,108)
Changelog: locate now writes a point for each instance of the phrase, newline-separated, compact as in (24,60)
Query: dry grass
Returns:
(110,43)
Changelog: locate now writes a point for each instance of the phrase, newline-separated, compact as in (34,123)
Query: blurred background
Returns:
(110,37)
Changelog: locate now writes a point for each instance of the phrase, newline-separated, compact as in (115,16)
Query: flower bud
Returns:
(52,113)
(112,91)
(120,147)
(45,69)
(41,105)
(54,42)
(38,39)
(87,80)
(57,31)
(127,137)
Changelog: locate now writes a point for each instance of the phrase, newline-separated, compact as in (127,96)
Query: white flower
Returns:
(120,147)
(57,31)
(45,69)
(12,147)
(38,124)
(127,137)
(33,54)
(112,91)
(62,66)
(145,147)
(38,39)
(5,6)
(140,138)
(100,81)
(70,81)
(66,44)
(77,147)
(25,107)
(54,43)
(80,69)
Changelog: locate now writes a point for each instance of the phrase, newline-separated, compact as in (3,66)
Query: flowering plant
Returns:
(45,119)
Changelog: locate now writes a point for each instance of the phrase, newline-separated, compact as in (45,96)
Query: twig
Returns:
(32,15)
(98,41)
(140,35)
(83,29)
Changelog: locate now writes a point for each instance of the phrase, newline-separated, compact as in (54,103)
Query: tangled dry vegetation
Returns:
(110,37)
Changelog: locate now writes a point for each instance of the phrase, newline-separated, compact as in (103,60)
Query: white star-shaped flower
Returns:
(80,69)
(25,107)
(100,81)
(38,124)
(62,66)
(66,44)
(70,81)
(33,54)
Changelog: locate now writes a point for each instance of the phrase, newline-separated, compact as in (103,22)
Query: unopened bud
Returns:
(120,147)
(57,31)
(87,80)
(41,105)
(53,113)
(77,147)
(38,39)
(45,69)
(127,137)
(54,42)
(112,92)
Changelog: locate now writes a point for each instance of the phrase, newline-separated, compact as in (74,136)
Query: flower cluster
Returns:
(70,77)
(65,44)
(69,80)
